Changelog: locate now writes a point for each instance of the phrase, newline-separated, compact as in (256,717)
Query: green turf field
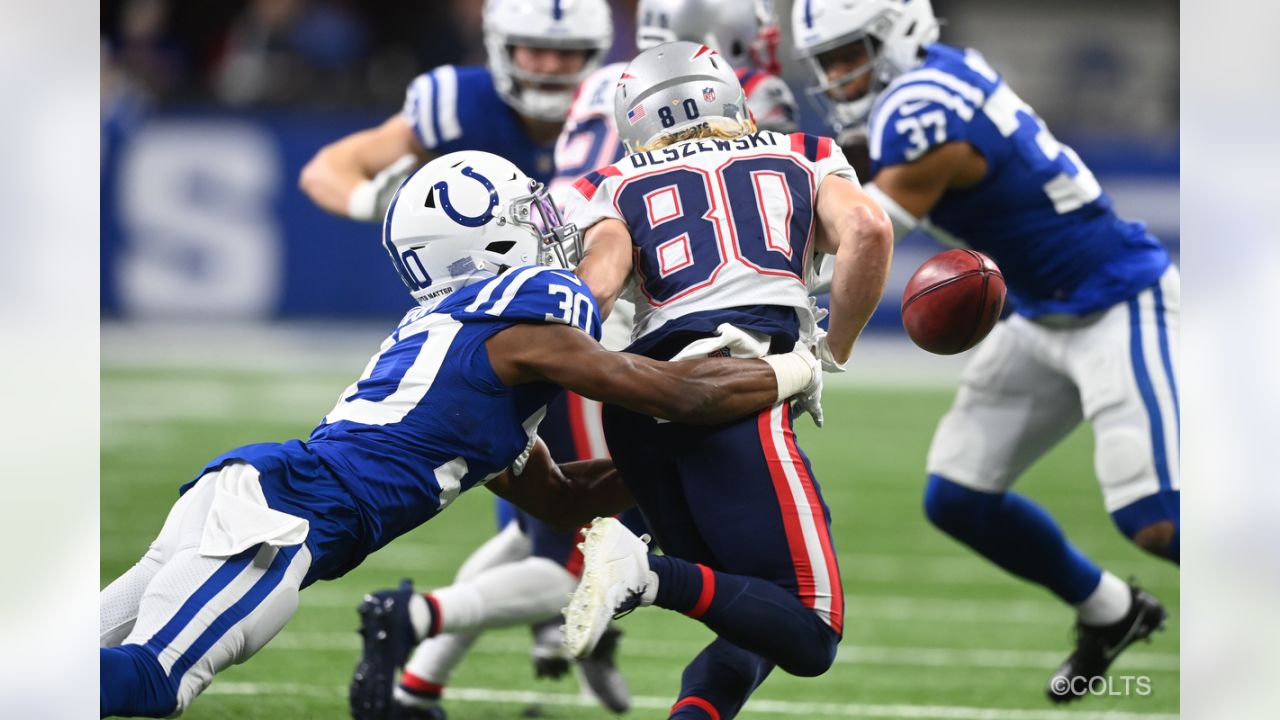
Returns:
(931,630)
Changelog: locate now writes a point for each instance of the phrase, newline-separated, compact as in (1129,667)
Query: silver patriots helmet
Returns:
(745,32)
(675,88)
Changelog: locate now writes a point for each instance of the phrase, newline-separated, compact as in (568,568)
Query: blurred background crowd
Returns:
(1104,65)
(211,107)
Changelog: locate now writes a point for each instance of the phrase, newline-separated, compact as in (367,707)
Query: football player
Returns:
(955,151)
(715,224)
(538,53)
(451,400)
(746,34)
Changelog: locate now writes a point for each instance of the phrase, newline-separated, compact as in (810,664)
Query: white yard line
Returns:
(754,707)
(313,641)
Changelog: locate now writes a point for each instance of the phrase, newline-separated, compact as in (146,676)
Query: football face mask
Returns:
(559,243)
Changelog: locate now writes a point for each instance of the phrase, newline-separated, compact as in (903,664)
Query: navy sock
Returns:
(1014,533)
(132,683)
(749,612)
(719,681)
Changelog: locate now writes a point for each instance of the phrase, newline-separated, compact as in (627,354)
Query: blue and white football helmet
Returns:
(561,24)
(468,216)
(893,32)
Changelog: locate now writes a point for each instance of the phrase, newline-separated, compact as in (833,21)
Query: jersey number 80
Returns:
(679,228)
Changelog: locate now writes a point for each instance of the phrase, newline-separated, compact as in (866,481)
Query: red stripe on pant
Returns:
(805,582)
(578,425)
(699,703)
(574,563)
(824,533)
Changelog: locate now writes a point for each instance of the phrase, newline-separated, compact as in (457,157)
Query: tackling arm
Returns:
(356,175)
(606,262)
(566,496)
(703,391)
(856,230)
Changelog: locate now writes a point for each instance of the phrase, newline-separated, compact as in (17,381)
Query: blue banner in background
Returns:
(202,218)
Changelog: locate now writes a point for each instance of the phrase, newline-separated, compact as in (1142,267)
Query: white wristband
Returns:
(793,372)
(363,202)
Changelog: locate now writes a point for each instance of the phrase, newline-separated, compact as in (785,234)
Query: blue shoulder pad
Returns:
(431,104)
(534,293)
(929,106)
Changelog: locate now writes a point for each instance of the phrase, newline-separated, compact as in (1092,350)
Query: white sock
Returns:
(1108,603)
(650,589)
(419,615)
(513,594)
(433,661)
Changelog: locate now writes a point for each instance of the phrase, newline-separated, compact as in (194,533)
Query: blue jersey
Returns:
(427,420)
(1038,212)
(457,108)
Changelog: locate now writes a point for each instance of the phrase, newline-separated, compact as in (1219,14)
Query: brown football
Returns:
(953,301)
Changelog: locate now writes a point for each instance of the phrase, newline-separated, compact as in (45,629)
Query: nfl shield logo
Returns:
(709,94)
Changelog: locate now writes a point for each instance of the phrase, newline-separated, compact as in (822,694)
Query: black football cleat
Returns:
(1098,646)
(600,674)
(387,635)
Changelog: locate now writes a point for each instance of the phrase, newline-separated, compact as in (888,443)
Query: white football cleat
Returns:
(615,575)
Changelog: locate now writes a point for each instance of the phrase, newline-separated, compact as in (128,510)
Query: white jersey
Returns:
(722,229)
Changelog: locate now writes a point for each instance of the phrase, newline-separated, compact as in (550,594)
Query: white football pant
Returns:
(219,582)
(1028,385)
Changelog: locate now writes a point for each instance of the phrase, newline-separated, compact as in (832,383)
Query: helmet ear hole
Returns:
(500,247)
(431,198)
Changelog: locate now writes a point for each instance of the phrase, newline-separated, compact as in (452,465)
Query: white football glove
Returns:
(370,199)
(809,400)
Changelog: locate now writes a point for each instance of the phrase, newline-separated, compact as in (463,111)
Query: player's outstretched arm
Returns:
(606,262)
(356,175)
(703,391)
(853,228)
(566,496)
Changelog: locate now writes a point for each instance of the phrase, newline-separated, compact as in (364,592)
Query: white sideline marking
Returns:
(848,654)
(771,707)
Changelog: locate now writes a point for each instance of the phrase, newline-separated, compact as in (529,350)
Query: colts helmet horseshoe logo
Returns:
(442,190)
